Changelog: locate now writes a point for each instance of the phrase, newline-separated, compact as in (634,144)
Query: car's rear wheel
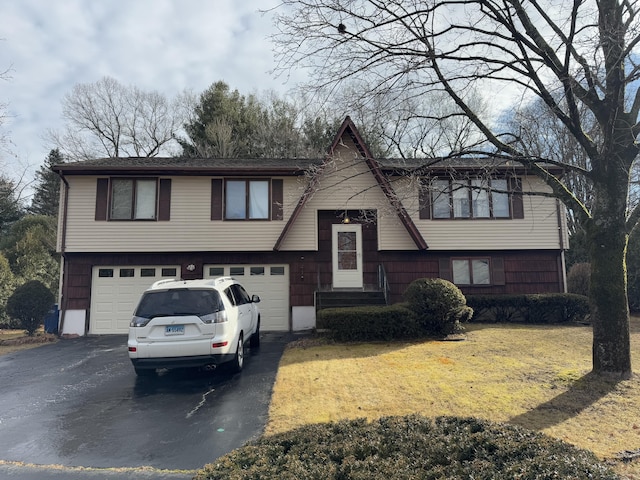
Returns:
(238,360)
(254,341)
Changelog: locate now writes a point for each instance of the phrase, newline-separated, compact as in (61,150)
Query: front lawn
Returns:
(532,376)
(16,340)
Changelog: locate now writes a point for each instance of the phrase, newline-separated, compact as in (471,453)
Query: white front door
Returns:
(347,256)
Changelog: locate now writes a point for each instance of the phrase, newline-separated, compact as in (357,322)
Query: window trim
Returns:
(496,263)
(427,202)
(470,261)
(104,197)
(247,193)
(134,198)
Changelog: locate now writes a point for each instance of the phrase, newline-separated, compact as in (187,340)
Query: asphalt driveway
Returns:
(78,403)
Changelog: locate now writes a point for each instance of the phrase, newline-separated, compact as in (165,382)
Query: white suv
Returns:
(193,323)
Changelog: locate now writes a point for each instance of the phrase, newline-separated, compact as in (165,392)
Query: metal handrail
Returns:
(383,283)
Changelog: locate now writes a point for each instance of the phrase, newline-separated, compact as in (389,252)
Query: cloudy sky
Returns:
(164,45)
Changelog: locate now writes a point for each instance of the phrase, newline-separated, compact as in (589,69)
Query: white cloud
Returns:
(164,45)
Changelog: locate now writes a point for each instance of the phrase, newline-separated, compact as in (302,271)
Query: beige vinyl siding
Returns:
(190,227)
(538,229)
(392,235)
(347,184)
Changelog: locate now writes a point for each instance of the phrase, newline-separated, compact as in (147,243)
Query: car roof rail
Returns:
(162,282)
(224,279)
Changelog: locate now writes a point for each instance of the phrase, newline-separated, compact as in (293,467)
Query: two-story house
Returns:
(289,228)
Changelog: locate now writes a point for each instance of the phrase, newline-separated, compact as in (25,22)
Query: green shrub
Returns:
(443,448)
(579,279)
(529,308)
(7,286)
(368,323)
(29,304)
(438,304)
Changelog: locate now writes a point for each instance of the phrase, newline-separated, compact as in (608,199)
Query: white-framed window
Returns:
(133,199)
(471,271)
(247,200)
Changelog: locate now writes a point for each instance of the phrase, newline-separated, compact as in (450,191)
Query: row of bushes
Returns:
(538,308)
(436,307)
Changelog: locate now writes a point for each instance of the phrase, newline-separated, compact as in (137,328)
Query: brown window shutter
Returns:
(277,194)
(102,199)
(164,200)
(424,199)
(497,271)
(517,204)
(216,199)
(444,266)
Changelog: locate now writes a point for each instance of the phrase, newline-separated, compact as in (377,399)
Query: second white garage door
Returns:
(269,282)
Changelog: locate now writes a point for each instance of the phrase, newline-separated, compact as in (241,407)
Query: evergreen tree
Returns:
(10,204)
(47,190)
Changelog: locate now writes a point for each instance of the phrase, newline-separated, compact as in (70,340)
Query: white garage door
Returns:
(269,282)
(115,292)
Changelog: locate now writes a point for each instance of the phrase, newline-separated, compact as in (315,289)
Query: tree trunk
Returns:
(609,304)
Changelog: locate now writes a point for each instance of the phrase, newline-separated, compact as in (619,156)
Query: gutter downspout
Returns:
(563,263)
(63,241)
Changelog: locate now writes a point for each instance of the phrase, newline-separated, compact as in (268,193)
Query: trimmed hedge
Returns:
(533,308)
(439,305)
(368,323)
(444,448)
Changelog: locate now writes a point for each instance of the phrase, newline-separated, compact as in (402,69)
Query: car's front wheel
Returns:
(254,341)
(238,360)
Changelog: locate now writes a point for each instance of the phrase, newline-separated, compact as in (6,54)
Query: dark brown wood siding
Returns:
(524,271)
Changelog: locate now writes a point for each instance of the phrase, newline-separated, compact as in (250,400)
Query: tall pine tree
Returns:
(46,195)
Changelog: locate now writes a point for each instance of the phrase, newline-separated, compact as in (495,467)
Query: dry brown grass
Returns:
(16,340)
(533,376)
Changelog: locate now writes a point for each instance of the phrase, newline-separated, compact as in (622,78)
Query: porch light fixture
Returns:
(346,219)
(191,267)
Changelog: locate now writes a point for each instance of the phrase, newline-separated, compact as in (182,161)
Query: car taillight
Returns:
(217,317)
(219,344)
(139,321)
(133,349)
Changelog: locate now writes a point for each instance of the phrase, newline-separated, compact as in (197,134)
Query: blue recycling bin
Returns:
(51,320)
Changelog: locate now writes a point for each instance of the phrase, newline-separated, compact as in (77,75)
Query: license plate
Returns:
(174,330)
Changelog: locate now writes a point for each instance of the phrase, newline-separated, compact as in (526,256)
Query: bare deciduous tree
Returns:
(108,119)
(4,114)
(509,49)
(543,135)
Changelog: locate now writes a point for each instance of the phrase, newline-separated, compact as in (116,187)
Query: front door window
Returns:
(347,251)
(347,256)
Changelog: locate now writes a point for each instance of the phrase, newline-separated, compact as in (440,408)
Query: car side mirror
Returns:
(255,299)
